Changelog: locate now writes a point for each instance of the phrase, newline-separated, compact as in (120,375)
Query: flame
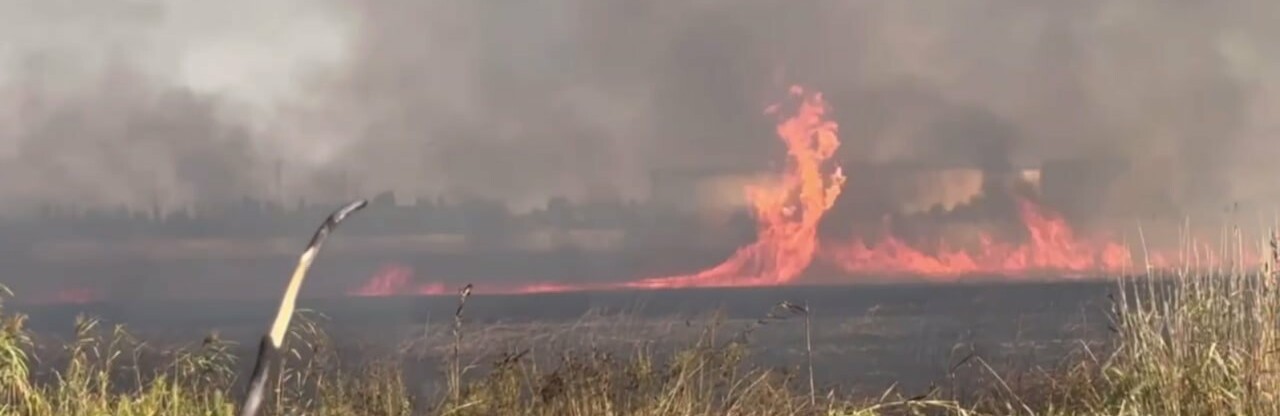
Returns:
(1051,247)
(788,208)
(76,295)
(787,212)
(70,295)
(397,279)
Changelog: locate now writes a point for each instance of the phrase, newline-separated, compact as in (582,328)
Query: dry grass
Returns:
(1204,344)
(106,371)
(1184,343)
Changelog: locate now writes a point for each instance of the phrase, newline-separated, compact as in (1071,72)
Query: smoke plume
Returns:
(189,103)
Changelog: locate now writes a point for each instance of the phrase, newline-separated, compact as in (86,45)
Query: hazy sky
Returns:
(182,101)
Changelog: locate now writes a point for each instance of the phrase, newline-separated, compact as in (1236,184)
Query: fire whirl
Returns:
(789,209)
(787,213)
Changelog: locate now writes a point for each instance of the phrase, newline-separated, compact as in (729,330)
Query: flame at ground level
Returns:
(1051,247)
(398,280)
(789,209)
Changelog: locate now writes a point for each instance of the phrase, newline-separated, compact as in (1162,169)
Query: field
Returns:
(1177,343)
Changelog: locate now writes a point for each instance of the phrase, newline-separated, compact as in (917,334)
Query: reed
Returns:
(1188,341)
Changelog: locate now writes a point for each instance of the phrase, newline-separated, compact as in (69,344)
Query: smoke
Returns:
(145,105)
(188,103)
(1164,87)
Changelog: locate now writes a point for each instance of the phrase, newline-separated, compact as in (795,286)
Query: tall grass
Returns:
(1191,341)
(1185,342)
(107,371)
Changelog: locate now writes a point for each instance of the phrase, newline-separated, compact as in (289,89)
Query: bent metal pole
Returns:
(274,339)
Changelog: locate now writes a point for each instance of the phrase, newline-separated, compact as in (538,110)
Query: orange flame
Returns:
(77,295)
(788,212)
(1052,246)
(397,279)
(70,295)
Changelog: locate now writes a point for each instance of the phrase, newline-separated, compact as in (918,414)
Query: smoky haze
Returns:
(184,103)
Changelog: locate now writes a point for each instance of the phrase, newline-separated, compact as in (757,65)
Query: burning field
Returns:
(780,343)
(809,219)
(629,208)
(845,349)
(789,208)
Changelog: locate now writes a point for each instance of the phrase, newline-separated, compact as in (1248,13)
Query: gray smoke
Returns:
(184,103)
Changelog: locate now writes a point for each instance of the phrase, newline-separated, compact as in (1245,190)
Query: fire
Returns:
(71,295)
(788,216)
(77,295)
(1051,247)
(397,279)
(789,207)
(787,212)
